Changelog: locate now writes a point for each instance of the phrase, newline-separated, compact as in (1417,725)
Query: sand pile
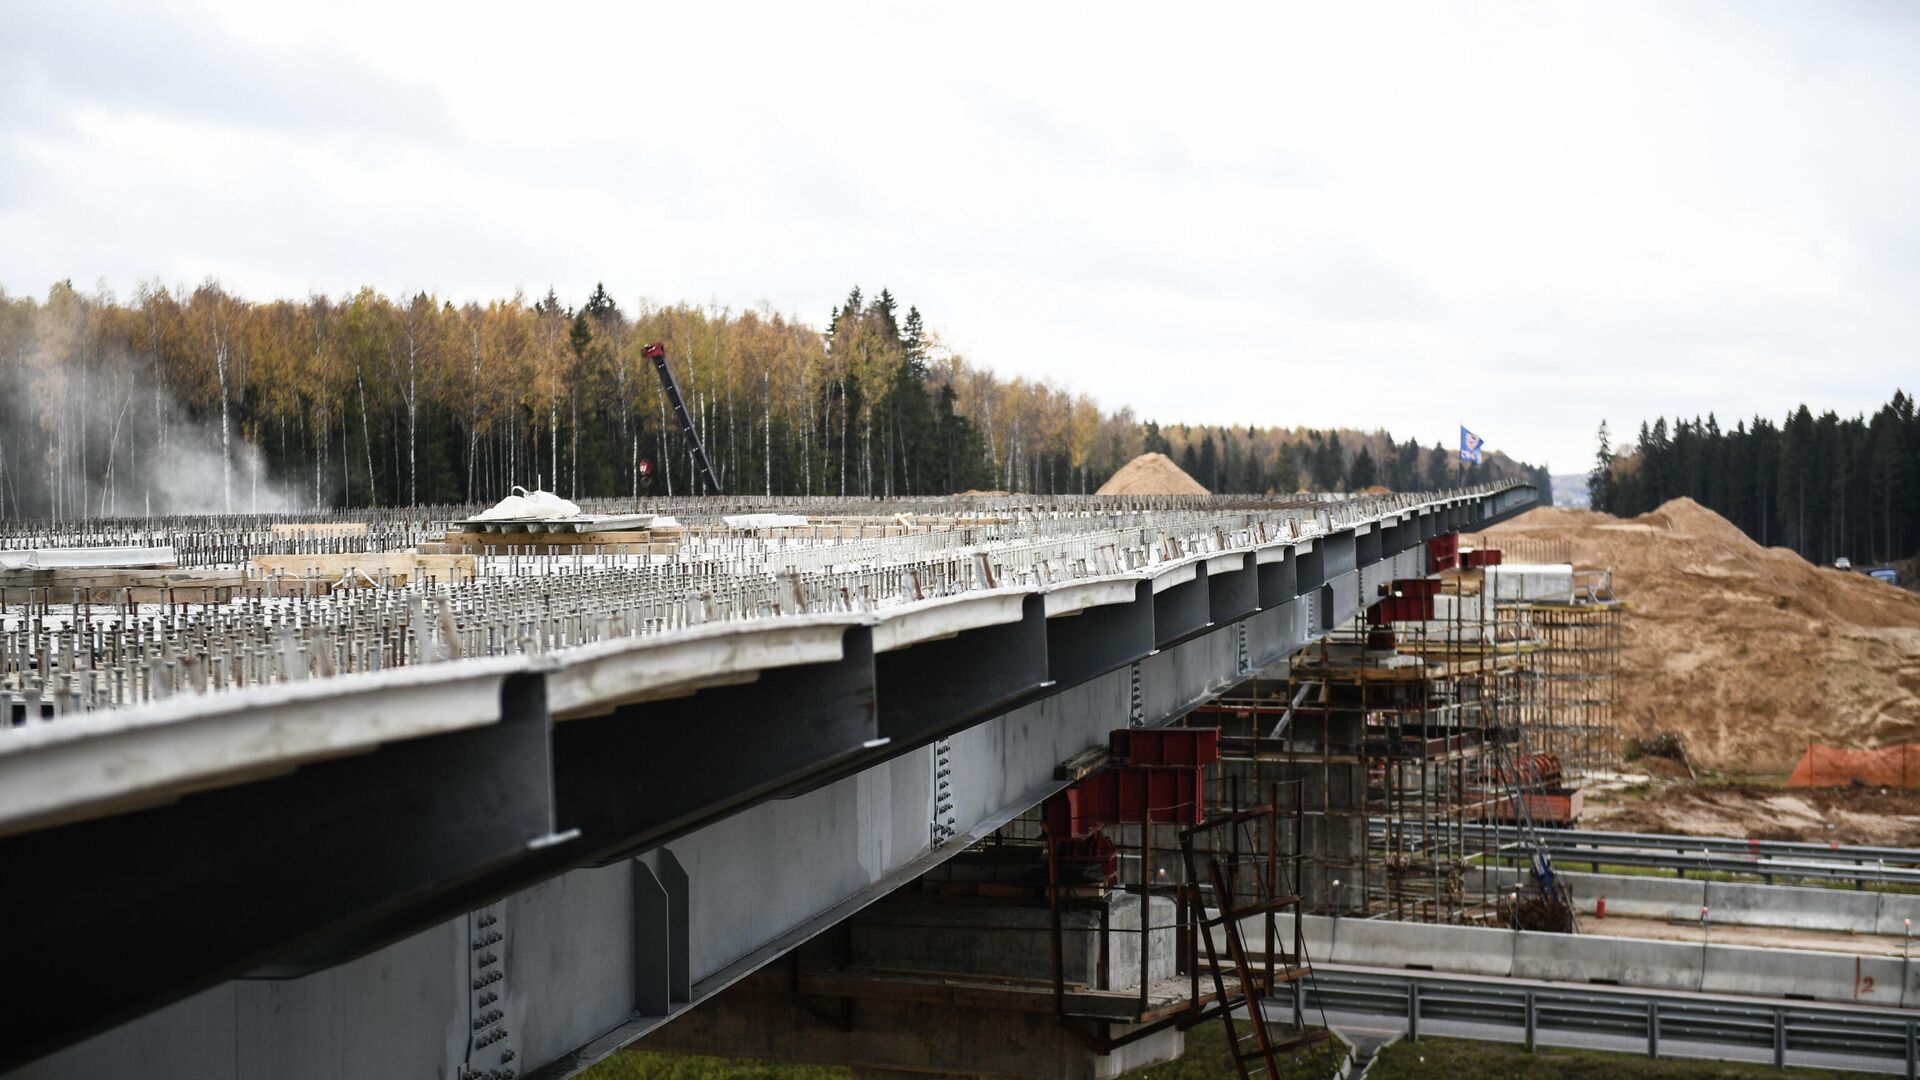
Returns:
(1151,474)
(1750,652)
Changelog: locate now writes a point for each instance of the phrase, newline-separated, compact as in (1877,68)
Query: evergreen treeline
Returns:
(200,400)
(1825,486)
(1303,459)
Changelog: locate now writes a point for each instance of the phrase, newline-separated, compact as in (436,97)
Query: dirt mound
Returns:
(1750,652)
(1151,474)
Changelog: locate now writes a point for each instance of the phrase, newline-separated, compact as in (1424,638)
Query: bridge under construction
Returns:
(415,793)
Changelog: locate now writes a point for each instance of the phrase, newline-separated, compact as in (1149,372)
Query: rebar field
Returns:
(117,612)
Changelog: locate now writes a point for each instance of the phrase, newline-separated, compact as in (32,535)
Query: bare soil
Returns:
(1853,815)
(1750,652)
(1768,937)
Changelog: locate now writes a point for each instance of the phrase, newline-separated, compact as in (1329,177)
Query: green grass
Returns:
(1206,1059)
(1457,1059)
(645,1065)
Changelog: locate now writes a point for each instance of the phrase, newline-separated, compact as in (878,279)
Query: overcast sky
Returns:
(1520,217)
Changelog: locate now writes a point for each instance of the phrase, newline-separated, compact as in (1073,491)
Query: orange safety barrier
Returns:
(1830,766)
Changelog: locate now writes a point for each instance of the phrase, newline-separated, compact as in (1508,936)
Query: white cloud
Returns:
(1519,216)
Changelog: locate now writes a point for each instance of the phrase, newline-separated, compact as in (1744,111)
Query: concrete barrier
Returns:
(1470,950)
(1318,933)
(1894,908)
(1868,980)
(1793,906)
(1653,965)
(1638,897)
(1745,903)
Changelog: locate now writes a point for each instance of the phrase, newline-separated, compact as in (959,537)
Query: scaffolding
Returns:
(1449,709)
(1162,908)
(1397,733)
(1571,706)
(1574,692)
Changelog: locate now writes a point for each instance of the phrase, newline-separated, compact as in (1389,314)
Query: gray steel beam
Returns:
(1097,640)
(1340,553)
(129,912)
(1279,579)
(934,688)
(1367,546)
(1183,610)
(1232,593)
(645,772)
(1311,568)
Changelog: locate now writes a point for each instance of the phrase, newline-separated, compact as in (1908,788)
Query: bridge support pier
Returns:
(931,985)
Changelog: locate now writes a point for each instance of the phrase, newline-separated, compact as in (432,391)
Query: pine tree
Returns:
(1286,468)
(1360,474)
(913,340)
(1600,480)
(600,305)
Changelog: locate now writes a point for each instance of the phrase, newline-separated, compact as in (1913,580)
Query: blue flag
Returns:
(1470,446)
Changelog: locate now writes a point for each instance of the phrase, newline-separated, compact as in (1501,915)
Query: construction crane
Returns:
(657,352)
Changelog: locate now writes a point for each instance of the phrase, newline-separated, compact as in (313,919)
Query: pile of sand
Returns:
(1749,652)
(1151,474)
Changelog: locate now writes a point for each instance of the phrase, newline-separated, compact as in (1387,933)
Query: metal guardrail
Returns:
(1766,859)
(1860,874)
(1861,1039)
(1777,849)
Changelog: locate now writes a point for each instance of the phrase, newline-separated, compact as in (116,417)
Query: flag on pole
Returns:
(1470,446)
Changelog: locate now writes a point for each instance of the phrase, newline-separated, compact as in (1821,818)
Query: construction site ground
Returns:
(1748,652)
(1768,937)
(1757,811)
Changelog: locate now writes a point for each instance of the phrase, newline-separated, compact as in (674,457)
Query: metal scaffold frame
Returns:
(1419,742)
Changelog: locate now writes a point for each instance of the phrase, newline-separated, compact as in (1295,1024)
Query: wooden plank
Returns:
(401,566)
(319,528)
(1083,764)
(634,542)
(134,595)
(96,578)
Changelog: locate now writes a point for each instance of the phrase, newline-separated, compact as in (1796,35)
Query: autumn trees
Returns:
(198,400)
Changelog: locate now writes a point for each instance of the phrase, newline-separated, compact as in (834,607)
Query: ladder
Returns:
(1258,1052)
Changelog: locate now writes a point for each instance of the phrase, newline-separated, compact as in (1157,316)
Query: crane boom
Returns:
(657,352)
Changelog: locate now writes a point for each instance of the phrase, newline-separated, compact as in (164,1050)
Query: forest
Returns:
(1826,486)
(198,400)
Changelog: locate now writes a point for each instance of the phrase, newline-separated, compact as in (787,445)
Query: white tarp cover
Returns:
(529,506)
(83,558)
